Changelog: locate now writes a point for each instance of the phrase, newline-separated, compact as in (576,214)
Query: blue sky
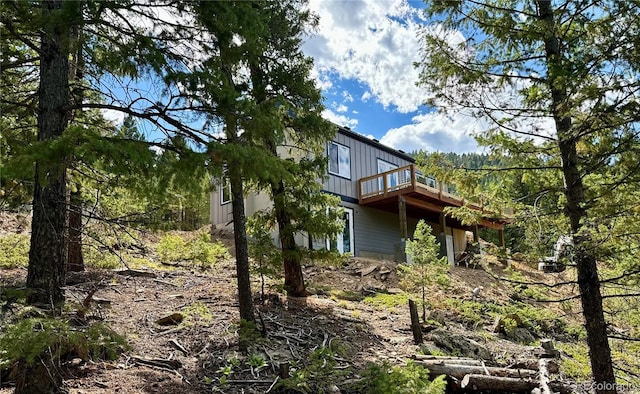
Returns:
(364,53)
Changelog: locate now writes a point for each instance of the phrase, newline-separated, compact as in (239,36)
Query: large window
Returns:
(339,160)
(225,191)
(343,242)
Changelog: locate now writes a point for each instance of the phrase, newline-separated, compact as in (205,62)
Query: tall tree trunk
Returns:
(293,278)
(588,281)
(245,298)
(75,260)
(48,251)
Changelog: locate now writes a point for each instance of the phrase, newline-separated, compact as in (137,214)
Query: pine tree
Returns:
(425,263)
(557,81)
(290,109)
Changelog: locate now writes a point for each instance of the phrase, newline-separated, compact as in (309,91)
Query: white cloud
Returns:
(340,120)
(436,132)
(113,116)
(342,108)
(374,43)
(347,96)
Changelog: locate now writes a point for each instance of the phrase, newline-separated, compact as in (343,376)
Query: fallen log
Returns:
(552,365)
(437,368)
(447,360)
(544,377)
(497,383)
(135,273)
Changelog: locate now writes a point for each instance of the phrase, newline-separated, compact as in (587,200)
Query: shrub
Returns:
(388,300)
(410,379)
(97,257)
(14,251)
(317,375)
(173,248)
(30,340)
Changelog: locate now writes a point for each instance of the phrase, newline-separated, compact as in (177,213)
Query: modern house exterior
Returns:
(383,195)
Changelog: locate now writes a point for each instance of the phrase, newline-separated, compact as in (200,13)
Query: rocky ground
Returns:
(201,352)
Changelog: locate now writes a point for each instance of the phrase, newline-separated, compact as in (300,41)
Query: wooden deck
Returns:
(420,192)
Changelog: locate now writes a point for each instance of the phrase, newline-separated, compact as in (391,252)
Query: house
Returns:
(383,195)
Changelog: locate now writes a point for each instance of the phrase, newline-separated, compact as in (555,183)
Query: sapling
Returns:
(423,251)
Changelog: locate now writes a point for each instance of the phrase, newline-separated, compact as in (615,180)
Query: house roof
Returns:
(375,143)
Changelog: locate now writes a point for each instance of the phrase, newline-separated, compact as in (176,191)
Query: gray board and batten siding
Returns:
(364,155)
(376,232)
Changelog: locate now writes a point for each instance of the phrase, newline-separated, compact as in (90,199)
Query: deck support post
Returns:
(442,220)
(501,237)
(404,232)
(476,237)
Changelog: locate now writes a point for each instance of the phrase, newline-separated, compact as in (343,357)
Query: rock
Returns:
(384,271)
(368,270)
(172,320)
(429,349)
(522,335)
(547,350)
(398,340)
(547,344)
(459,345)
(497,325)
(437,316)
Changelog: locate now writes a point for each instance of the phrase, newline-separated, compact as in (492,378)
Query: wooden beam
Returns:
(429,206)
(490,224)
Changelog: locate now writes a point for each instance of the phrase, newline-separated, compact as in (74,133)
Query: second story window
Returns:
(339,160)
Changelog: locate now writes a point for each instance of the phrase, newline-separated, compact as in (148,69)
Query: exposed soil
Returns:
(205,345)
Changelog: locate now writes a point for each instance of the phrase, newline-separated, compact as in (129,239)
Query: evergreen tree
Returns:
(558,80)
(426,267)
(291,128)
(97,36)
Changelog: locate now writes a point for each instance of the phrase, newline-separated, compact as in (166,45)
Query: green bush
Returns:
(14,250)
(31,339)
(388,300)
(410,379)
(173,248)
(317,375)
(97,257)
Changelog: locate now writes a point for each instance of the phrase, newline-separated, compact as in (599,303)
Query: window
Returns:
(392,179)
(426,180)
(343,242)
(225,191)
(339,160)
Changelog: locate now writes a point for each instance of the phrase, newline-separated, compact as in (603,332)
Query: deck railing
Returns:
(408,179)
(400,178)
